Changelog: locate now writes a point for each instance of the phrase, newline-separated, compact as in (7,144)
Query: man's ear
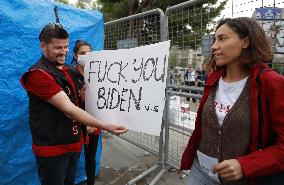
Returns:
(245,43)
(43,46)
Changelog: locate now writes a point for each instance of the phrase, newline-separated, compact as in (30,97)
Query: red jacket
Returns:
(258,162)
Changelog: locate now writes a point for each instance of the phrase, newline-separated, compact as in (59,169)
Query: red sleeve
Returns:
(40,83)
(270,160)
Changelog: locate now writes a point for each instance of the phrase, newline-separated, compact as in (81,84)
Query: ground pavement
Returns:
(122,161)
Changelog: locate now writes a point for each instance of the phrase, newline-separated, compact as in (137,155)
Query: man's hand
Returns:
(62,102)
(116,129)
(229,170)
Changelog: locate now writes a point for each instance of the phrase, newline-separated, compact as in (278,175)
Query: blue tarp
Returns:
(20,24)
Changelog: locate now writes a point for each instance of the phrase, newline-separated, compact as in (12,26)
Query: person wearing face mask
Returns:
(54,115)
(90,147)
(239,129)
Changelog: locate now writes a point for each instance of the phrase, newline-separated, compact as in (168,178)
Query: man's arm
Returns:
(62,102)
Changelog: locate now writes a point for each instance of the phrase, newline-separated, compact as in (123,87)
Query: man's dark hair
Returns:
(52,30)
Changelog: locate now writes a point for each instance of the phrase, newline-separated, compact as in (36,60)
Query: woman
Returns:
(226,132)
(80,49)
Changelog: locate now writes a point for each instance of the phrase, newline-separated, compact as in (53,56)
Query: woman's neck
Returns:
(235,73)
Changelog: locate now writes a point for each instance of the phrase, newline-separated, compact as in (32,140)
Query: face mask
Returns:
(82,60)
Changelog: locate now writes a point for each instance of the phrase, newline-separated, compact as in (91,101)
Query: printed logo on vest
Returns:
(75,129)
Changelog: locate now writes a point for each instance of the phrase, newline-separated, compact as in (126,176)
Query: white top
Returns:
(191,75)
(226,95)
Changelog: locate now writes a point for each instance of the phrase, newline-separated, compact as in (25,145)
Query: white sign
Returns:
(127,86)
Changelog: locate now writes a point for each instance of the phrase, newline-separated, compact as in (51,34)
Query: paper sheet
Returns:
(207,163)
(127,86)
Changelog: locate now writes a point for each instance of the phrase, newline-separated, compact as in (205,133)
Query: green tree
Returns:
(186,26)
(115,9)
(95,6)
(183,64)
(62,1)
(83,4)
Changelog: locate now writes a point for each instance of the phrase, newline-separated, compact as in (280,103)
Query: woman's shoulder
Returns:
(270,76)
(265,73)
(272,82)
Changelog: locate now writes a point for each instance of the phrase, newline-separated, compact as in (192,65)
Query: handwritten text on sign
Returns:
(127,86)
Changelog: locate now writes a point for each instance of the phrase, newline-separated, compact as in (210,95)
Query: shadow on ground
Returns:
(122,161)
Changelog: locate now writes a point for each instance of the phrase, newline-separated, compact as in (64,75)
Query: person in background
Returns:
(189,79)
(54,113)
(80,49)
(228,129)
(203,76)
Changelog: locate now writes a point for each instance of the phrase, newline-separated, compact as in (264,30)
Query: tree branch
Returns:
(143,4)
(133,7)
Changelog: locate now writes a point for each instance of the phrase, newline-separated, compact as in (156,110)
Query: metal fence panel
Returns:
(190,28)
(137,30)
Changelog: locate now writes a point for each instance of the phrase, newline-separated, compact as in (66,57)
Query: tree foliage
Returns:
(62,1)
(115,9)
(83,4)
(186,26)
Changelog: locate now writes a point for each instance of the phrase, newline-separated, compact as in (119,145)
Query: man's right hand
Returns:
(62,102)
(116,129)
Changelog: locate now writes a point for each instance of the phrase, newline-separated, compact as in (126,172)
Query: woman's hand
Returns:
(229,170)
(82,93)
(90,129)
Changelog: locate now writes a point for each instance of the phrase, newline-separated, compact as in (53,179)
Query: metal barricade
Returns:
(133,31)
(136,30)
(186,26)
(190,28)
(181,115)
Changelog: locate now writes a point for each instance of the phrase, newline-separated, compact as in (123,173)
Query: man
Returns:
(189,79)
(201,77)
(54,111)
